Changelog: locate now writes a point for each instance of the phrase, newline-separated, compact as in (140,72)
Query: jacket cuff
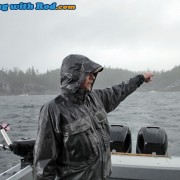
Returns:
(141,79)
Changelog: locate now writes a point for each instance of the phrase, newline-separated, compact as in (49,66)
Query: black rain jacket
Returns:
(73,141)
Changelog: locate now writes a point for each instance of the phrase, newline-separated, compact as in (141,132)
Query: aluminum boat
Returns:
(124,166)
(154,164)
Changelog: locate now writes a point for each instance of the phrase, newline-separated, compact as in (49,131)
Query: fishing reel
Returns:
(23,147)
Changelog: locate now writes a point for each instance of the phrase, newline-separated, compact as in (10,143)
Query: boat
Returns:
(125,165)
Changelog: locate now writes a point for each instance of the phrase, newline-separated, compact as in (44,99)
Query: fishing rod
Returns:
(3,128)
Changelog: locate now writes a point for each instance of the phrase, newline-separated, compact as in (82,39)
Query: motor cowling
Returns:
(120,139)
(24,148)
(152,140)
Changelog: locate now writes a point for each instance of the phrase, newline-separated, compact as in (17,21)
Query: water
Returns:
(138,110)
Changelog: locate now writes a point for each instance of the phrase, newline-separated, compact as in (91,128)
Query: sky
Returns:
(137,35)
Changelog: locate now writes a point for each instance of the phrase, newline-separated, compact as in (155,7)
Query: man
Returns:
(73,141)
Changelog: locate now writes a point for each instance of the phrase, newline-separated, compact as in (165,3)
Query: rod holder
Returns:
(4,147)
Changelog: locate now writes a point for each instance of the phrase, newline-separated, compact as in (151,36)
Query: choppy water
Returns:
(138,110)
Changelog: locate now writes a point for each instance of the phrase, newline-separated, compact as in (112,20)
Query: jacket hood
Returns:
(74,69)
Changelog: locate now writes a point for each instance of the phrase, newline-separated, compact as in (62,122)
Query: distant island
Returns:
(17,82)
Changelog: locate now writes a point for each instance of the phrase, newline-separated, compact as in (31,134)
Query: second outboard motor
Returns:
(152,140)
(120,139)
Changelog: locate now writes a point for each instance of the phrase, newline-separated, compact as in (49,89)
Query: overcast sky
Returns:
(130,34)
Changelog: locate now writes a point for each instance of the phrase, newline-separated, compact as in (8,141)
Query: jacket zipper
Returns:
(99,139)
(66,150)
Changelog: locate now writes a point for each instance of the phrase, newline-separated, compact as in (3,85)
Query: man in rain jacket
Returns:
(73,141)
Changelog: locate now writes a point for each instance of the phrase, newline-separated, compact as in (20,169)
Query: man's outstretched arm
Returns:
(111,97)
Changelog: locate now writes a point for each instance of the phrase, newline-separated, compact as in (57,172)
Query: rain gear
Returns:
(73,141)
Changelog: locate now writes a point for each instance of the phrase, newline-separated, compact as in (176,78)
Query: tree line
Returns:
(16,81)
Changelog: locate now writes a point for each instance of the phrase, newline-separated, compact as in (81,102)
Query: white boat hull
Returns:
(145,167)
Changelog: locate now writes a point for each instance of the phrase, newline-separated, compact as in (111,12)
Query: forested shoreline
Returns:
(18,82)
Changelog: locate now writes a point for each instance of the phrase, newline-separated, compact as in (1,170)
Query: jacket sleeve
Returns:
(45,150)
(111,97)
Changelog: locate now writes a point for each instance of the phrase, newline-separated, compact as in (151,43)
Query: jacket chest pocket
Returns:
(102,127)
(79,142)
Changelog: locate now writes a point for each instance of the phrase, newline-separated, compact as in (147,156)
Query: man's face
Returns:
(88,82)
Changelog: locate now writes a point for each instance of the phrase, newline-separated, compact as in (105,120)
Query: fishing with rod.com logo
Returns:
(35,6)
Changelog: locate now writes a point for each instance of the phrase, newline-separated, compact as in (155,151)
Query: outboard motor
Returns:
(23,148)
(152,140)
(120,139)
